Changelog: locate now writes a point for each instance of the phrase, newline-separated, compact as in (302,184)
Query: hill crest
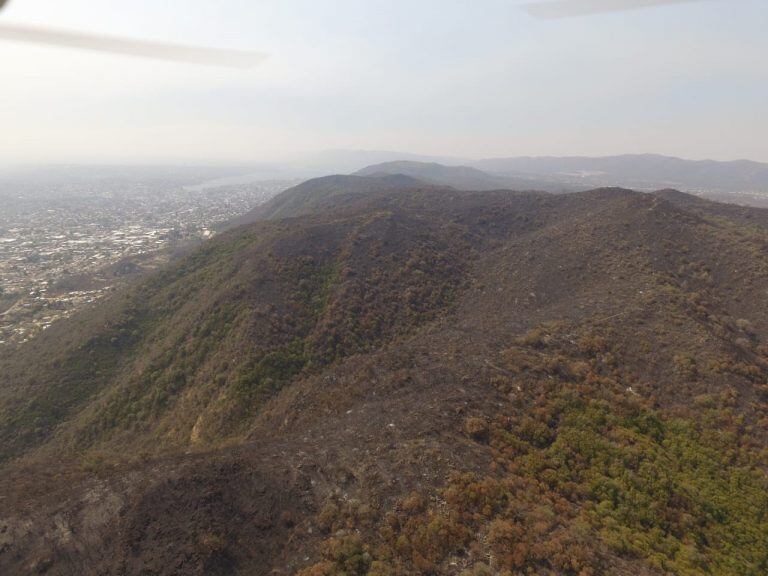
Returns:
(570,377)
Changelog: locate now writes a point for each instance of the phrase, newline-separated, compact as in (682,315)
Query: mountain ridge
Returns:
(390,380)
(646,170)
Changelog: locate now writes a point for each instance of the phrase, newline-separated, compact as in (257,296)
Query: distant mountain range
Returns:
(638,171)
(644,171)
(741,181)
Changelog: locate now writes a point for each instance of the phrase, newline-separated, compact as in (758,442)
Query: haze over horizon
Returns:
(324,161)
(442,79)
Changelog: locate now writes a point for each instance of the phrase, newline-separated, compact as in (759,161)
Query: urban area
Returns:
(64,246)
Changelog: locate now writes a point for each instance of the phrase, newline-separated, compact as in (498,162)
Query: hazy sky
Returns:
(469,78)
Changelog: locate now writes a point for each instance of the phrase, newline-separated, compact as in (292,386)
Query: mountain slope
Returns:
(409,382)
(325,192)
(192,351)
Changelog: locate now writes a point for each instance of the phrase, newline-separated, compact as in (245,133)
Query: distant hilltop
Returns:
(741,181)
(643,171)
(646,172)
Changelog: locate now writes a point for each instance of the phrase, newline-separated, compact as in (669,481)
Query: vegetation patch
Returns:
(585,472)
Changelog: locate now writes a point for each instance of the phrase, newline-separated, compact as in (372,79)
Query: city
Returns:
(64,246)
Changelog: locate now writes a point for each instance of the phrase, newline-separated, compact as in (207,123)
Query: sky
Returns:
(463,78)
